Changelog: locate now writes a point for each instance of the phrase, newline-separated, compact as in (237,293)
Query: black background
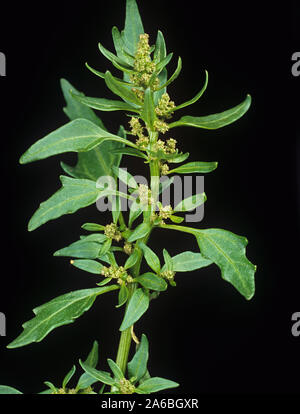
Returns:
(202,333)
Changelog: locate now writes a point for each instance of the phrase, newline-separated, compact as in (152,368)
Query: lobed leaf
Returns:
(59,311)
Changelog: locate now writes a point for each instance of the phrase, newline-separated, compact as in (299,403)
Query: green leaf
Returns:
(134,213)
(195,167)
(101,376)
(137,306)
(133,26)
(215,121)
(105,247)
(103,104)
(150,257)
(113,58)
(80,249)
(177,158)
(73,195)
(94,71)
(227,250)
(85,379)
(59,311)
(92,227)
(68,376)
(137,367)
(123,295)
(125,177)
(152,281)
(90,266)
(160,66)
(92,358)
(79,135)
(140,231)
(160,51)
(116,370)
(75,109)
(148,113)
(132,259)
(130,151)
(5,389)
(174,76)
(195,99)
(120,89)
(168,260)
(188,261)
(176,219)
(163,76)
(96,162)
(156,384)
(96,237)
(190,203)
(119,45)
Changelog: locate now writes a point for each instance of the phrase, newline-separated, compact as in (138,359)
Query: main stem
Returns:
(125,338)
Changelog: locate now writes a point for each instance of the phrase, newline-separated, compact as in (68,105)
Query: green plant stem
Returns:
(125,338)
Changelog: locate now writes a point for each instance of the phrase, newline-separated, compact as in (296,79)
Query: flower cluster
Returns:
(143,66)
(138,130)
(117,272)
(112,232)
(165,212)
(128,248)
(165,106)
(168,274)
(126,387)
(144,194)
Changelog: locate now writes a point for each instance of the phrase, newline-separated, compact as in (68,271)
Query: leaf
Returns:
(85,379)
(73,195)
(195,167)
(90,266)
(59,311)
(123,295)
(5,389)
(134,213)
(152,281)
(79,135)
(132,259)
(177,158)
(101,376)
(130,151)
(103,104)
(75,109)
(188,261)
(96,237)
(119,45)
(174,76)
(140,231)
(113,58)
(96,162)
(156,384)
(150,257)
(68,376)
(160,66)
(195,99)
(227,250)
(168,260)
(133,26)
(215,121)
(160,51)
(116,370)
(137,367)
(92,227)
(125,177)
(105,247)
(148,112)
(120,89)
(92,358)
(190,203)
(137,306)
(163,76)
(176,219)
